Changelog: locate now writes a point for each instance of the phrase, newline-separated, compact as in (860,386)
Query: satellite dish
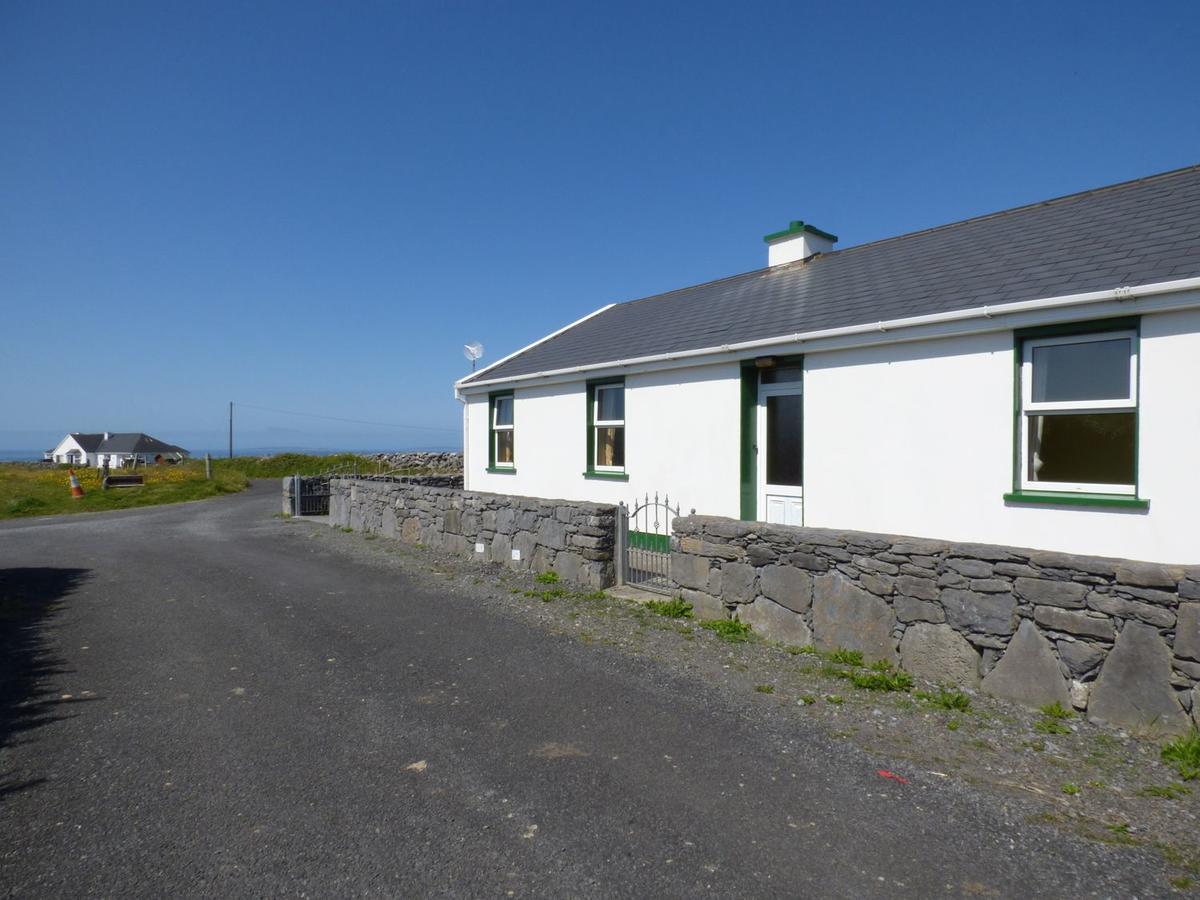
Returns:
(473,351)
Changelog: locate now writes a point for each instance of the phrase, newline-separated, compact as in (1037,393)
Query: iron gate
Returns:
(310,495)
(644,543)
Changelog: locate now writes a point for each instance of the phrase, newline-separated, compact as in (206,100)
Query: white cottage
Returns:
(1029,378)
(115,450)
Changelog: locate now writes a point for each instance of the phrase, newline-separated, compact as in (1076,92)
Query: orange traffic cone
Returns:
(76,490)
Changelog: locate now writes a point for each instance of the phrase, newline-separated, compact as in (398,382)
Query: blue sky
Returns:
(313,206)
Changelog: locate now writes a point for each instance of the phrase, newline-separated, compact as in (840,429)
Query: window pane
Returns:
(504,448)
(1092,370)
(504,411)
(610,404)
(610,447)
(785,424)
(1094,448)
(781,374)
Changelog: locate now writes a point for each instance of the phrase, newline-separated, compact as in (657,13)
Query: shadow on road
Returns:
(29,599)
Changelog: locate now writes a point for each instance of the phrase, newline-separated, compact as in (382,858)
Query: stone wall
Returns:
(1118,639)
(438,460)
(573,539)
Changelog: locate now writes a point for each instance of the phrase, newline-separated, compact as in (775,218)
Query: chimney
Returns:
(798,241)
(107,435)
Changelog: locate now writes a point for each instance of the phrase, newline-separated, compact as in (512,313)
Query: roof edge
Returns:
(893,326)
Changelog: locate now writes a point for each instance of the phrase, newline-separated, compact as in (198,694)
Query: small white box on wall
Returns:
(479,548)
(516,555)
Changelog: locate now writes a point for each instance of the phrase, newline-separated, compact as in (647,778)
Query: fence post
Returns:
(295,495)
(621,542)
(207,467)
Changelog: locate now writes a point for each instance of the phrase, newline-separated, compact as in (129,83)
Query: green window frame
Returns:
(502,405)
(1027,409)
(615,440)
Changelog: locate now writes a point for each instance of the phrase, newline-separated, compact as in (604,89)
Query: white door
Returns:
(781,445)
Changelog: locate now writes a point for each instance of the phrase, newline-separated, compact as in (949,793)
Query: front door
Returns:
(781,445)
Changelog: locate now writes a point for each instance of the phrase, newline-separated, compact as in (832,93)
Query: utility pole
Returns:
(231,429)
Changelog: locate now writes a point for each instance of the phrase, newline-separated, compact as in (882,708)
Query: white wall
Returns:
(681,438)
(917,439)
(906,439)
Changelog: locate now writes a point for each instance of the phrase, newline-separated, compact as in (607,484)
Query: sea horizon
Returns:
(18,455)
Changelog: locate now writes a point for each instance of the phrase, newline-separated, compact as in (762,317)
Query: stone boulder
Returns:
(1187,631)
(845,615)
(939,654)
(1134,688)
(787,586)
(775,622)
(1028,672)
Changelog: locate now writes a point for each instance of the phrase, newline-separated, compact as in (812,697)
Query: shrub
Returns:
(546,578)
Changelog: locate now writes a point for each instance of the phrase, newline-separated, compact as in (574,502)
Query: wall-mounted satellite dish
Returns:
(473,351)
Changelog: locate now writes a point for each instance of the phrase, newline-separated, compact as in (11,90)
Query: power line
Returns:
(292,412)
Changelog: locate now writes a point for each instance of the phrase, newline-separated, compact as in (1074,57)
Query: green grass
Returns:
(32,490)
(953,700)
(846,657)
(1183,754)
(549,594)
(678,608)
(808,699)
(1166,791)
(1055,710)
(730,630)
(1050,726)
(880,677)
(835,699)
(1070,789)
(546,578)
(765,688)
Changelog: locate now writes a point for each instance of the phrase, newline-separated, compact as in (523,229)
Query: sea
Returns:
(36,455)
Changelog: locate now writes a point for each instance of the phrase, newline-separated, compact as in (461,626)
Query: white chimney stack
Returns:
(798,241)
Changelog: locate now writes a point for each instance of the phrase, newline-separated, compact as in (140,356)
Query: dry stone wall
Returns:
(570,538)
(1117,638)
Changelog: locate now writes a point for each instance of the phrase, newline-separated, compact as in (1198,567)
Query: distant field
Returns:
(30,489)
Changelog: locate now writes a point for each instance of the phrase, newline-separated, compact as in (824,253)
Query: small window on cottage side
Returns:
(502,432)
(609,423)
(1079,413)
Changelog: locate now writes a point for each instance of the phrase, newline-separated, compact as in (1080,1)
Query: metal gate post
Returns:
(296,490)
(621,546)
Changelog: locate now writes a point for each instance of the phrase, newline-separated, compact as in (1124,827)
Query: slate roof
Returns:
(89,442)
(135,442)
(1134,233)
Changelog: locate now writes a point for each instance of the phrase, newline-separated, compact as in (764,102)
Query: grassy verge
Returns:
(33,490)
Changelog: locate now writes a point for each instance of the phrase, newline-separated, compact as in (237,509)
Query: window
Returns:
(606,430)
(1078,414)
(501,449)
(610,428)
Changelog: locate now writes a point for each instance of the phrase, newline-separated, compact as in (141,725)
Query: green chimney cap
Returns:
(796,228)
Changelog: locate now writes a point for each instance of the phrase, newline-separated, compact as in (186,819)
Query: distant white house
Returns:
(117,450)
(1025,378)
